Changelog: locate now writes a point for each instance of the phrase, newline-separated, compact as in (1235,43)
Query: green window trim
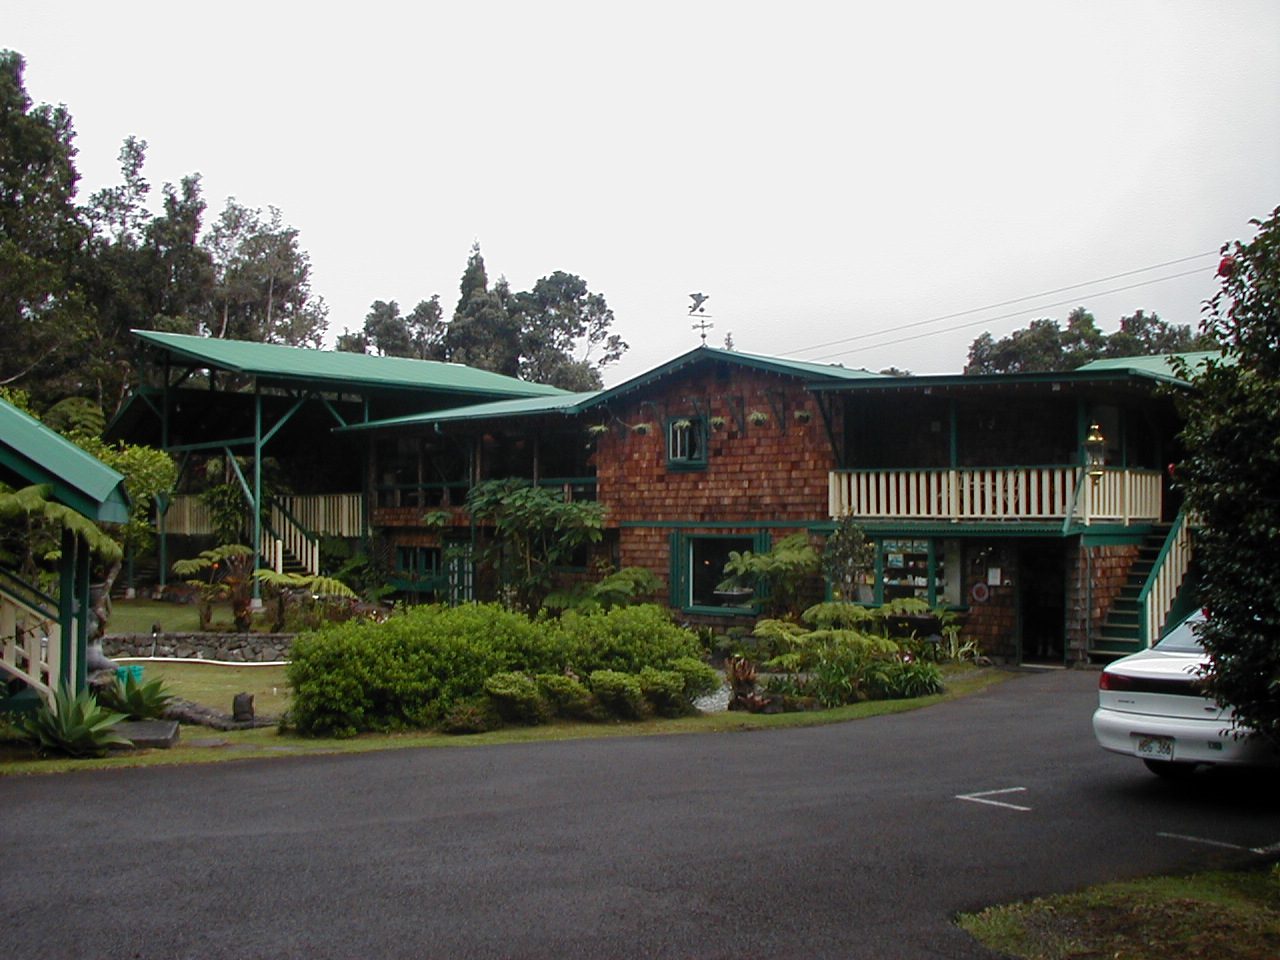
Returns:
(681,582)
(686,439)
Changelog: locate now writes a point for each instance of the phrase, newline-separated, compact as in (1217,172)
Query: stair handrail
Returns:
(296,538)
(27,595)
(1158,593)
(36,642)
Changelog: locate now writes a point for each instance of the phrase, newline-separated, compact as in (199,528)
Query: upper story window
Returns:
(687,443)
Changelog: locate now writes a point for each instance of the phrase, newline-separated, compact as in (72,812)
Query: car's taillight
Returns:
(1114,681)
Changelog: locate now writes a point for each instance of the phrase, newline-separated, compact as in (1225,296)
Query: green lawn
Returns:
(138,616)
(215,686)
(1227,916)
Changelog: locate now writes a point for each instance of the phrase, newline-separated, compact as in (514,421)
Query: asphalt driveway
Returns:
(856,840)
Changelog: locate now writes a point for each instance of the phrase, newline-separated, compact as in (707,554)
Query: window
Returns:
(687,443)
(927,570)
(697,570)
(418,563)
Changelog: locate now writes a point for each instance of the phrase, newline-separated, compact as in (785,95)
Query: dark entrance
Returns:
(1042,600)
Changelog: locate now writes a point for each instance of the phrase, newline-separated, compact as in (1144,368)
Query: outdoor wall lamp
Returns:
(1095,451)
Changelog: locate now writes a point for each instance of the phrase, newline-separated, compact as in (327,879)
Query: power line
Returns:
(1007,303)
(1006,316)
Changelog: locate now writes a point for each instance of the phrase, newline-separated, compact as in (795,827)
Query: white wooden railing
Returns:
(289,536)
(32,644)
(327,515)
(996,494)
(1162,586)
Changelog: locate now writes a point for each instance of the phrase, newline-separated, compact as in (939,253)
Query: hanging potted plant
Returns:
(642,428)
(717,423)
(758,417)
(803,416)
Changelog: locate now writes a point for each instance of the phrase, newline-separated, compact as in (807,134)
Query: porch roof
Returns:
(275,361)
(31,453)
(567,404)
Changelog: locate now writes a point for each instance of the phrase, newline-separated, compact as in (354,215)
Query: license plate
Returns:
(1155,748)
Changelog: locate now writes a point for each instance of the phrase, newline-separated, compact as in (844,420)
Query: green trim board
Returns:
(275,361)
(33,453)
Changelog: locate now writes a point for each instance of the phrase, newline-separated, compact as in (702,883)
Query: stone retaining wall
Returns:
(232,647)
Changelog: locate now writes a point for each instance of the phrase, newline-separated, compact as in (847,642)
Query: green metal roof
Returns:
(800,369)
(34,454)
(567,404)
(574,403)
(350,370)
(1159,366)
(1110,370)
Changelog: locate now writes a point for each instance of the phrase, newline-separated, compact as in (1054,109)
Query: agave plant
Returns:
(75,724)
(137,700)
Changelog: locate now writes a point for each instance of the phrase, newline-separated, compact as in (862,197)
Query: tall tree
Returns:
(262,280)
(560,316)
(1232,438)
(1044,346)
(1142,333)
(484,331)
(419,335)
(42,315)
(140,271)
(558,333)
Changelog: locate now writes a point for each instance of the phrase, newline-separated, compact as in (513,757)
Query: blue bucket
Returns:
(132,670)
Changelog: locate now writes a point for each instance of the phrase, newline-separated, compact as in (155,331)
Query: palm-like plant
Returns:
(74,724)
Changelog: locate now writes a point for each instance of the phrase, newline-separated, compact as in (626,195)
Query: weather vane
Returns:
(698,310)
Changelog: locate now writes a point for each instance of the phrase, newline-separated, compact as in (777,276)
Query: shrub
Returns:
(619,693)
(664,689)
(472,715)
(409,670)
(517,698)
(135,699)
(626,639)
(568,696)
(904,680)
(75,725)
(697,678)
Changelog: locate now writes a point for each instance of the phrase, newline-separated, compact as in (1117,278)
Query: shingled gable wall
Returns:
(776,472)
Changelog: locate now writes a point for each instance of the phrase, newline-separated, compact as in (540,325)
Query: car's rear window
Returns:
(1182,638)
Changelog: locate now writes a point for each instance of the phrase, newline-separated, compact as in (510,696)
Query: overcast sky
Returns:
(823,171)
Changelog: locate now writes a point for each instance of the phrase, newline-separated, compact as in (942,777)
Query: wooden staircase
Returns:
(1120,633)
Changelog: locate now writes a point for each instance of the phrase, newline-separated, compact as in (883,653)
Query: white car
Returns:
(1151,705)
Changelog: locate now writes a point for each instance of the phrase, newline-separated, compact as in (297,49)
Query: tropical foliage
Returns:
(535,530)
(1232,439)
(74,724)
(461,667)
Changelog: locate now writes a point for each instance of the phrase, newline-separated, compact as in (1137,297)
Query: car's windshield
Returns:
(1182,638)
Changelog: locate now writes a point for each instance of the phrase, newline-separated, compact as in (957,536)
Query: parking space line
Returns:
(1202,840)
(1267,850)
(981,796)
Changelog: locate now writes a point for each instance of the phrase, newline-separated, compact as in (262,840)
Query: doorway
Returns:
(1042,608)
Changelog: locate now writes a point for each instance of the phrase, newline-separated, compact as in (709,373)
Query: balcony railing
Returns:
(325,514)
(1043,494)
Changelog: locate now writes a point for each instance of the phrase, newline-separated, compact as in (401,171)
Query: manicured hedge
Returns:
(438,666)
